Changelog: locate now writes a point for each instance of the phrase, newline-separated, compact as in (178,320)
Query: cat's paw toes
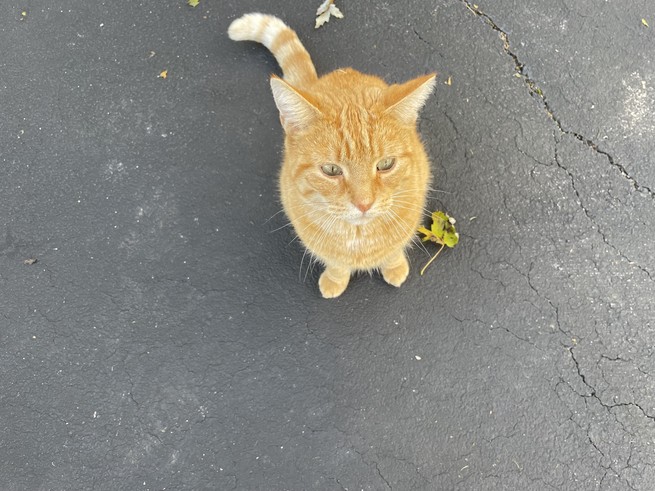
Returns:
(397,275)
(331,288)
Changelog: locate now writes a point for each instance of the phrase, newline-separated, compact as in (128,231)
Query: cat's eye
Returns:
(386,164)
(331,170)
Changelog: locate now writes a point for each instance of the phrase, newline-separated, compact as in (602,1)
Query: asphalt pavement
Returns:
(159,329)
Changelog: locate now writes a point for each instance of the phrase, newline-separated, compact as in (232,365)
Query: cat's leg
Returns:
(333,281)
(396,269)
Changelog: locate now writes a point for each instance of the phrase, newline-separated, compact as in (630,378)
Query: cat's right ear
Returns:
(296,110)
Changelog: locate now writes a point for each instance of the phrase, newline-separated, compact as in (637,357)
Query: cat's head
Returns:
(354,153)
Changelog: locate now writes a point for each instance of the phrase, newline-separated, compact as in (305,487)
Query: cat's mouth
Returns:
(362,219)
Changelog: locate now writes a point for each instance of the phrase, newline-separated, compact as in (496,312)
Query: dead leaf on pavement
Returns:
(324,12)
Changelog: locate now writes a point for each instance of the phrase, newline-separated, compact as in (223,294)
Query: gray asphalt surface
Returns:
(167,337)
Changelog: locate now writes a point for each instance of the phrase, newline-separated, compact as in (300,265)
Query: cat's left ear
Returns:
(405,101)
(297,111)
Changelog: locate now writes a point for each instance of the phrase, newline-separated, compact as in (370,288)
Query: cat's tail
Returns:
(281,40)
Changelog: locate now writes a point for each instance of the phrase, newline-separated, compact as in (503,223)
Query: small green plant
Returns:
(442,232)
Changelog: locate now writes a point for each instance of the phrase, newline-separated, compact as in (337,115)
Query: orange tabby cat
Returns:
(355,175)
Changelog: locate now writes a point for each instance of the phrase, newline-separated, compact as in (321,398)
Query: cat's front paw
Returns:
(397,273)
(332,285)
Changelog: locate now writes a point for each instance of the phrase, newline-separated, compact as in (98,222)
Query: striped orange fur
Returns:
(355,174)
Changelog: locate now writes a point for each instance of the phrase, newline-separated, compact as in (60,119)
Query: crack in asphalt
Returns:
(553,306)
(418,35)
(607,462)
(536,92)
(587,432)
(550,302)
(591,218)
(375,464)
(377,468)
(594,394)
(519,66)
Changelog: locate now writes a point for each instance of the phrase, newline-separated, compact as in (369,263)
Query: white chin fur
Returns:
(360,219)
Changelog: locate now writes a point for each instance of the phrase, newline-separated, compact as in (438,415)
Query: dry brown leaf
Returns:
(163,74)
(324,12)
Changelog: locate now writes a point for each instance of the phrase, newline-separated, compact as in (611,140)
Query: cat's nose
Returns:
(364,207)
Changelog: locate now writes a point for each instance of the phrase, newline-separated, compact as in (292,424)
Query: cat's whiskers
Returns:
(413,191)
(412,206)
(429,190)
(413,237)
(397,223)
(405,205)
(323,219)
(408,196)
(439,191)
(326,222)
(406,193)
(310,212)
(273,216)
(394,223)
(299,205)
(325,229)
